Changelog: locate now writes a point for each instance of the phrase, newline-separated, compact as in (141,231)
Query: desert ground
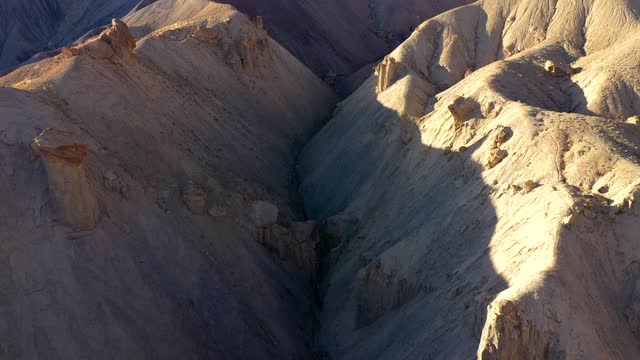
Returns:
(282,179)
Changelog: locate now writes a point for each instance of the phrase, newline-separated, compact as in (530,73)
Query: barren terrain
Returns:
(178,184)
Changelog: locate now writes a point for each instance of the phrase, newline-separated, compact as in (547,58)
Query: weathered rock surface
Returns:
(386,72)
(297,244)
(114,41)
(460,108)
(380,290)
(558,69)
(63,157)
(508,334)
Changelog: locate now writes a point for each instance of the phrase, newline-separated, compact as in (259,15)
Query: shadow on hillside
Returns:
(421,254)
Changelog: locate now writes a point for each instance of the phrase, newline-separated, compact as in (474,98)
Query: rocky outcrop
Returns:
(558,69)
(296,244)
(74,202)
(495,157)
(460,109)
(380,289)
(500,137)
(386,71)
(114,42)
(508,334)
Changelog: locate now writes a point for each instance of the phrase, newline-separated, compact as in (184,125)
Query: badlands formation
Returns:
(177,185)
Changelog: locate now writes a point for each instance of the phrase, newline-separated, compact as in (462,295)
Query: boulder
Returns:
(495,157)
(118,36)
(114,41)
(460,108)
(500,138)
(558,69)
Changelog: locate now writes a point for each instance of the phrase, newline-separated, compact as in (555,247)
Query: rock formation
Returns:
(297,244)
(386,71)
(508,334)
(114,41)
(63,158)
(380,290)
(460,108)
(558,69)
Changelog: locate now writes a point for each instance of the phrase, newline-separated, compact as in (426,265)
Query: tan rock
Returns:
(74,202)
(386,72)
(507,334)
(208,35)
(558,69)
(501,136)
(118,36)
(460,108)
(495,157)
(380,290)
(634,120)
(529,185)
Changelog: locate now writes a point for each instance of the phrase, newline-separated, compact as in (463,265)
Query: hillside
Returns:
(494,178)
(127,226)
(180,185)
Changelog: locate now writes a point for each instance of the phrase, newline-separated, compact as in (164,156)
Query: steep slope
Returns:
(130,222)
(495,192)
